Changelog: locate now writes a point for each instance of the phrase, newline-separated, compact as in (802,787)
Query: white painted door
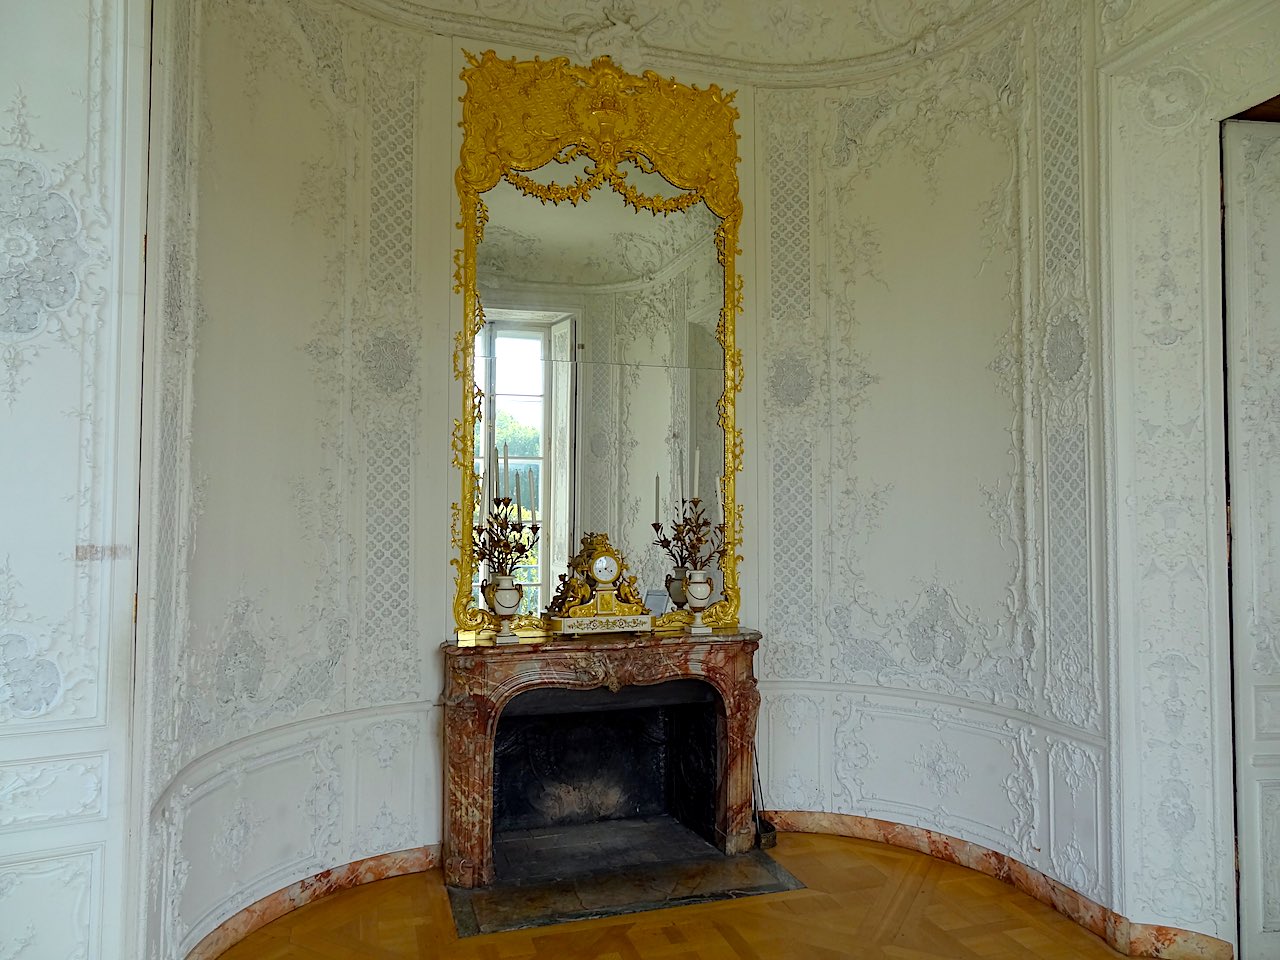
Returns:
(73,102)
(1251,157)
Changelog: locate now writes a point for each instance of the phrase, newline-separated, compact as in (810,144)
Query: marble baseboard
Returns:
(234,929)
(1133,939)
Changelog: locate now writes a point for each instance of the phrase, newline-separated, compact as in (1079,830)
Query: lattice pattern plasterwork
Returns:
(1063,324)
(387,669)
(392,107)
(792,393)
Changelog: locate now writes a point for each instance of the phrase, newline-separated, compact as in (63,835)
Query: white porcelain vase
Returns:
(697,589)
(504,596)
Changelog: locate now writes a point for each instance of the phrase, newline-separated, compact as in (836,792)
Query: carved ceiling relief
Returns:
(769,32)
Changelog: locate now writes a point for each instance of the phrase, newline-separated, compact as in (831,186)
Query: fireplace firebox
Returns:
(631,727)
(565,757)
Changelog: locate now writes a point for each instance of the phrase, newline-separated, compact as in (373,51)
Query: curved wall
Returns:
(926,493)
(929,452)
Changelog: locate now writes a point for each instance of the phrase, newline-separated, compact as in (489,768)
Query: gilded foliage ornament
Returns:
(518,116)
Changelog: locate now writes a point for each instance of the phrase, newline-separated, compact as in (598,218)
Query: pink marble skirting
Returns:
(234,929)
(1133,939)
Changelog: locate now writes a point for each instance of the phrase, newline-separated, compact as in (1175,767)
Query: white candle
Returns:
(697,464)
(656,518)
(680,473)
(506,471)
(533,498)
(496,489)
(518,510)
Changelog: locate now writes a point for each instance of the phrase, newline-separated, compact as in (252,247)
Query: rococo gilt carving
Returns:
(602,122)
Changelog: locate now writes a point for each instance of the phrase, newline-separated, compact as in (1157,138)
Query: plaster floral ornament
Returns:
(29,684)
(388,362)
(617,32)
(238,829)
(1171,98)
(41,254)
(940,767)
(791,383)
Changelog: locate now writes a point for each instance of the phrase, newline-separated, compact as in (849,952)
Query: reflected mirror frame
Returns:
(518,116)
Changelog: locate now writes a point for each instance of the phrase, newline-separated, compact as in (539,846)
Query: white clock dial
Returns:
(604,569)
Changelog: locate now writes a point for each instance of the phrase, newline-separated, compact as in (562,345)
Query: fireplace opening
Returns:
(589,780)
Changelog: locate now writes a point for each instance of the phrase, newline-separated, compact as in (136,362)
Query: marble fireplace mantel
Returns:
(481,681)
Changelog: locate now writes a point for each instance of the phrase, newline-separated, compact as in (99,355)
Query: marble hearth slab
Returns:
(595,887)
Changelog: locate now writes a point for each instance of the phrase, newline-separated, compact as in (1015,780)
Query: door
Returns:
(1251,165)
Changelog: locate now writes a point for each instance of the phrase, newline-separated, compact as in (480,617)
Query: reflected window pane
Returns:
(530,472)
(519,361)
(518,424)
(532,602)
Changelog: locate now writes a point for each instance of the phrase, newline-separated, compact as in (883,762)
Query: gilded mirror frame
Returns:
(518,116)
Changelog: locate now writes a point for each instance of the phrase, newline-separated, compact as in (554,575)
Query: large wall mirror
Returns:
(600,215)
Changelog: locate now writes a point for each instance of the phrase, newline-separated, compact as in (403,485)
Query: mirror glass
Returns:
(599,367)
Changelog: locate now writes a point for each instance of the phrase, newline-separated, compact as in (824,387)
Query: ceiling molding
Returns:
(928,44)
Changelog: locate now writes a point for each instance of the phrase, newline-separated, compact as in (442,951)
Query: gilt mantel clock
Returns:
(595,596)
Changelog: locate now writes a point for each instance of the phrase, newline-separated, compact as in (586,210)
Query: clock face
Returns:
(604,568)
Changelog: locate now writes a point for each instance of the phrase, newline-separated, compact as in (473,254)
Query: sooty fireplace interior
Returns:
(620,742)
(567,758)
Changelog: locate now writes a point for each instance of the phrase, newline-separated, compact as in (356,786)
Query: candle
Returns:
(656,518)
(518,510)
(697,464)
(680,473)
(720,496)
(533,498)
(496,487)
(506,471)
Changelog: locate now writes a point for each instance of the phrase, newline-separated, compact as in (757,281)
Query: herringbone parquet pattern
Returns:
(864,900)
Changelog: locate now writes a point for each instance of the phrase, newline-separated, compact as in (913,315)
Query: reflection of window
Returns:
(515,371)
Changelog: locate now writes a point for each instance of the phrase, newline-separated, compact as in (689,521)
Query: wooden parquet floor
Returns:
(864,900)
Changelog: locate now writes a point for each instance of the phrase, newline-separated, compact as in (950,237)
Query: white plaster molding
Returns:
(53,790)
(1162,101)
(698,58)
